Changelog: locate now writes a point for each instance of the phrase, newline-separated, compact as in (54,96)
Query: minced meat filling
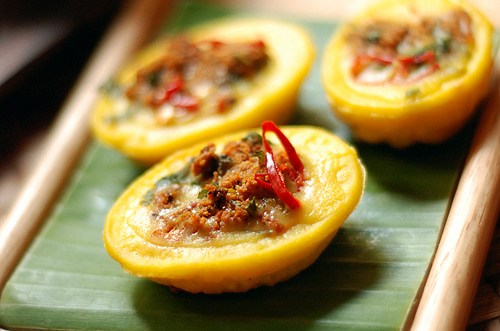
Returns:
(228,196)
(408,48)
(193,76)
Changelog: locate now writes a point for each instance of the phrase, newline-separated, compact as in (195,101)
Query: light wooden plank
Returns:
(70,132)
(454,277)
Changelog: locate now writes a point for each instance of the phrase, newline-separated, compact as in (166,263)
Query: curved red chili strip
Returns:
(363,60)
(276,178)
(289,149)
(186,101)
(174,86)
(381,58)
(263,183)
(427,56)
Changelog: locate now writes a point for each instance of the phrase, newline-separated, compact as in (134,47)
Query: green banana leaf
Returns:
(369,278)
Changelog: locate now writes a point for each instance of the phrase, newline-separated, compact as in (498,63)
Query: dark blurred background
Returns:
(44,46)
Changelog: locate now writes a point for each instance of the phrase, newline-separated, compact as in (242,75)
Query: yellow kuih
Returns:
(248,209)
(409,71)
(216,78)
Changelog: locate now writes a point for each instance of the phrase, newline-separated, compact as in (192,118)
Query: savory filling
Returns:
(399,52)
(225,192)
(196,78)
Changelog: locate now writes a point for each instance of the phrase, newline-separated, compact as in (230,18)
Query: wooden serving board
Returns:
(375,275)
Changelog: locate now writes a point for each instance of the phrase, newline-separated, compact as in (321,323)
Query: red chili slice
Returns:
(263,183)
(276,178)
(175,95)
(259,44)
(185,101)
(174,86)
(363,60)
(427,57)
(216,43)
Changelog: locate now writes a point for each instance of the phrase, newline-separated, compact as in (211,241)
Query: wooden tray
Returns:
(449,290)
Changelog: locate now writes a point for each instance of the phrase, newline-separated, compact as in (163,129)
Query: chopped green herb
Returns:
(235,203)
(442,39)
(411,93)
(261,155)
(253,138)
(124,116)
(252,206)
(179,177)
(203,193)
(111,88)
(224,162)
(242,59)
(154,78)
(373,36)
(148,197)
